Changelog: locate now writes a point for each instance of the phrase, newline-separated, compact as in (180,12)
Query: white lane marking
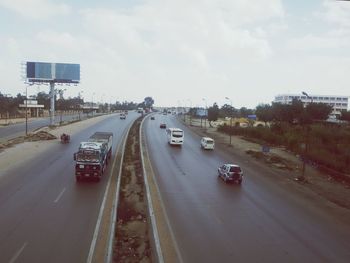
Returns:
(60,195)
(18,253)
(100,214)
(116,202)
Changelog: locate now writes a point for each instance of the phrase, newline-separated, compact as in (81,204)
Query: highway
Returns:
(264,220)
(18,129)
(45,216)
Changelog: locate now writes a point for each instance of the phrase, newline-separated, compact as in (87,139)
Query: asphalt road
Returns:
(264,220)
(45,216)
(19,129)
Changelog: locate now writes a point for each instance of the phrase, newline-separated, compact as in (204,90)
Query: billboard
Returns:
(201,112)
(53,72)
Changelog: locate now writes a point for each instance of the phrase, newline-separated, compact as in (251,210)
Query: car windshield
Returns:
(209,142)
(235,169)
(177,134)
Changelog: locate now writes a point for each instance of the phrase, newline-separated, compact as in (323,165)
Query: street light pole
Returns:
(27,107)
(206,107)
(306,144)
(190,112)
(230,118)
(79,109)
(307,95)
(92,106)
(184,110)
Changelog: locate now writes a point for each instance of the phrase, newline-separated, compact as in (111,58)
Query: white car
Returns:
(230,173)
(207,143)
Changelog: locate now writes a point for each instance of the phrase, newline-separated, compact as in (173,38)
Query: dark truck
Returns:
(92,157)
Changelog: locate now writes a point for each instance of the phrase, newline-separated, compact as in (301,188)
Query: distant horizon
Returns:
(182,52)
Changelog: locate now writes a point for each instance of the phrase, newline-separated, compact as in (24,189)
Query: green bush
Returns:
(328,145)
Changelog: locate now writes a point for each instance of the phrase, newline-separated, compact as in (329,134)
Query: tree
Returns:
(345,115)
(227,111)
(4,103)
(264,112)
(318,111)
(291,113)
(43,99)
(244,112)
(213,113)
(148,102)
(282,113)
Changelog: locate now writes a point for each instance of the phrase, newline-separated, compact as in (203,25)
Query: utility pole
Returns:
(206,111)
(190,112)
(27,107)
(230,117)
(306,144)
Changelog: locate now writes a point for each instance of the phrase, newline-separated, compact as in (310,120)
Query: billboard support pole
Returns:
(52,103)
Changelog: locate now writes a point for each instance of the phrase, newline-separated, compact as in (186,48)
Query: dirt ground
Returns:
(321,183)
(132,233)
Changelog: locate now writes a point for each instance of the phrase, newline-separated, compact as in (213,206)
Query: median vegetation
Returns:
(132,237)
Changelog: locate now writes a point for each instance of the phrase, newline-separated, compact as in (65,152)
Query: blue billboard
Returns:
(53,72)
(201,112)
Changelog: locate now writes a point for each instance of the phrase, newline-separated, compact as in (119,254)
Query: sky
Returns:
(183,52)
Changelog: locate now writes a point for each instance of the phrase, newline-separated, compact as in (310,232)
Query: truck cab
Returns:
(92,157)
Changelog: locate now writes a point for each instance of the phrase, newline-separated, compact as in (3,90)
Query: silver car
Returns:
(230,173)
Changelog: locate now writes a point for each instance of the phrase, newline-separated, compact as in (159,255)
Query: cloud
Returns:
(333,34)
(170,27)
(315,43)
(337,12)
(36,9)
(186,46)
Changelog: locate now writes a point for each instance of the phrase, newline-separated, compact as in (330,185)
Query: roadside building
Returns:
(339,103)
(33,108)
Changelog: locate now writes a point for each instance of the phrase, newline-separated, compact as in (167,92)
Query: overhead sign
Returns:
(53,72)
(202,112)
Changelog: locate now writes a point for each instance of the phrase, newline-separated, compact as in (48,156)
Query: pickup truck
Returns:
(93,155)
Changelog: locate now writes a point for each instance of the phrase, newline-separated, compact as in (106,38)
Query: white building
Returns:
(339,103)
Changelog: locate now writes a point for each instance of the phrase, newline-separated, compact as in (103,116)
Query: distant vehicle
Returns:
(230,173)
(207,143)
(162,126)
(152,118)
(93,155)
(175,136)
(164,113)
(126,112)
(122,116)
(65,138)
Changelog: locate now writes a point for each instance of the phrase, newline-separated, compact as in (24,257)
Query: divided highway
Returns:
(264,220)
(45,216)
(19,129)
